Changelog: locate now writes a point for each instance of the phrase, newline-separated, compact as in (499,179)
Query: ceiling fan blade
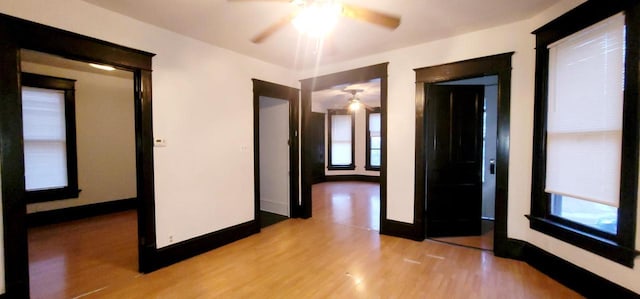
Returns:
(367,15)
(273,28)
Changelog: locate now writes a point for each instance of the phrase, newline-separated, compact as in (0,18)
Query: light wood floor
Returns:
(331,255)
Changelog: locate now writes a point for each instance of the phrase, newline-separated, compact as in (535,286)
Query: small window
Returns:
(585,166)
(374,139)
(341,141)
(48,116)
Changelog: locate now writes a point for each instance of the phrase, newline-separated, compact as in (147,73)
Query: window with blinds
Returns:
(341,143)
(584,123)
(48,128)
(44,126)
(586,129)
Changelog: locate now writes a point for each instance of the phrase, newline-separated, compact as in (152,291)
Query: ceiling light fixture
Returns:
(317,18)
(354,102)
(102,67)
(354,105)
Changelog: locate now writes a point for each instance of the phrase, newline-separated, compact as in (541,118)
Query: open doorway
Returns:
(85,116)
(461,126)
(346,143)
(32,36)
(429,87)
(344,160)
(275,110)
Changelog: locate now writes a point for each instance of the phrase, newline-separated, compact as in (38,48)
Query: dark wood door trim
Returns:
(499,65)
(323,82)
(292,95)
(16,34)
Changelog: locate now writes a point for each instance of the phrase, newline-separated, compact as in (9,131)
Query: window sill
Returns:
(372,168)
(341,167)
(51,195)
(600,246)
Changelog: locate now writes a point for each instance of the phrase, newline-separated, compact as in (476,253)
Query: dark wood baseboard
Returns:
(578,279)
(181,251)
(352,178)
(80,212)
(400,229)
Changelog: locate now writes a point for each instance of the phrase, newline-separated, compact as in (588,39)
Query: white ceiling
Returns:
(60,62)
(335,97)
(231,25)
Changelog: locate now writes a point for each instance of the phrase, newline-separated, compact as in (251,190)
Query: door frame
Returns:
(290,94)
(310,85)
(16,34)
(499,65)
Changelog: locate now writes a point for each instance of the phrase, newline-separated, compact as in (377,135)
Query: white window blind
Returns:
(375,139)
(44,132)
(584,113)
(340,139)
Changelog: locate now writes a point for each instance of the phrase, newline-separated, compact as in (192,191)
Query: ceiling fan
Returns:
(316,17)
(354,103)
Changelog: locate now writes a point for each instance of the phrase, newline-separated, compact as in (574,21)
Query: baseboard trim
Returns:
(80,212)
(578,279)
(186,249)
(399,229)
(352,177)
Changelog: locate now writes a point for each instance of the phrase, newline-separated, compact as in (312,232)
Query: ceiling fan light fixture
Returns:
(318,18)
(354,105)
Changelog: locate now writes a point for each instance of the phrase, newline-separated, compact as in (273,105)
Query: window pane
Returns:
(340,128)
(44,132)
(45,165)
(341,153)
(374,124)
(375,142)
(375,157)
(592,214)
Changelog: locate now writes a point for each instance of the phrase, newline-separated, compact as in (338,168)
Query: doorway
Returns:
(274,161)
(429,78)
(340,162)
(460,209)
(23,34)
(275,111)
(100,139)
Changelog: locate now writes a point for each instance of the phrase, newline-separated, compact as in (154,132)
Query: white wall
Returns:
(274,156)
(199,92)
(105,136)
(401,128)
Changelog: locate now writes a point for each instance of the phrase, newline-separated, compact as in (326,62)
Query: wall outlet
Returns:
(170,238)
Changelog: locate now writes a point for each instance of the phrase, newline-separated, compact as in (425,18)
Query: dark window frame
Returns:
(68,87)
(331,113)
(621,246)
(368,165)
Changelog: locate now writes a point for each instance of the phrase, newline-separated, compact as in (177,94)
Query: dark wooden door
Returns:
(454,159)
(317,149)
